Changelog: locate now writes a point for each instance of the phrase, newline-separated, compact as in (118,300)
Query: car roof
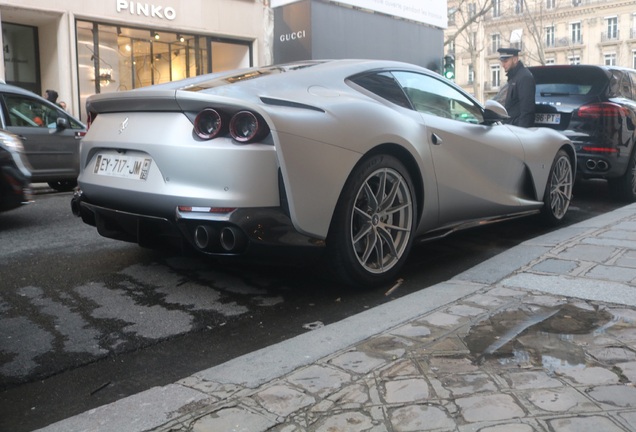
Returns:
(606,68)
(345,67)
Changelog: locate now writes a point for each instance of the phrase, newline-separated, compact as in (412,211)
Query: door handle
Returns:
(435,139)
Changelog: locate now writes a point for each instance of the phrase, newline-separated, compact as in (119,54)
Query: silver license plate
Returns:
(547,118)
(124,166)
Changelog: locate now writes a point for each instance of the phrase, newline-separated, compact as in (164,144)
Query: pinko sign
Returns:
(146,9)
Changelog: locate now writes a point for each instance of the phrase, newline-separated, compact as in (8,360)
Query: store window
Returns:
(116,58)
(21,59)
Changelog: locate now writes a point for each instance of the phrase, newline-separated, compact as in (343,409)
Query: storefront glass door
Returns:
(116,58)
(21,59)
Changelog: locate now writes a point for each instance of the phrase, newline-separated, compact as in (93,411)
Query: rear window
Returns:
(566,81)
(384,85)
(222,79)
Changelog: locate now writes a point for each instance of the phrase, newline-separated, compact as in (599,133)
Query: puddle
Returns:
(536,336)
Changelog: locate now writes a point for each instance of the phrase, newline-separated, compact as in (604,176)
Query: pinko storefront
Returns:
(114,45)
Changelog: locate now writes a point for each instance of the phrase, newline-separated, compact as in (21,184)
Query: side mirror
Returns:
(61,123)
(494,112)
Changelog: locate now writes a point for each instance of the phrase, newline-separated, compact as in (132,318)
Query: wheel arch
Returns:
(405,157)
(536,164)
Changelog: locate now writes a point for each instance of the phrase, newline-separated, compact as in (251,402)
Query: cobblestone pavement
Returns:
(500,360)
(541,338)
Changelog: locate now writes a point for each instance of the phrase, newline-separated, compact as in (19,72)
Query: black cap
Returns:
(506,53)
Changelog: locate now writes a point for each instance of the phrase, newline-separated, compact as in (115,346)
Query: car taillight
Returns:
(90,119)
(604,109)
(208,123)
(245,127)
(592,149)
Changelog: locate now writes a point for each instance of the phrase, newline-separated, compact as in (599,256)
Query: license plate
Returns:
(547,118)
(124,166)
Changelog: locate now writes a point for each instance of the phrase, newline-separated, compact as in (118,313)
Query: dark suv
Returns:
(49,134)
(594,106)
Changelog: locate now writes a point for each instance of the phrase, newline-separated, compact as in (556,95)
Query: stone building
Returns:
(546,31)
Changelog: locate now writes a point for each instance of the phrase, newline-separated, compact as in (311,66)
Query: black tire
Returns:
(624,187)
(63,185)
(373,225)
(558,190)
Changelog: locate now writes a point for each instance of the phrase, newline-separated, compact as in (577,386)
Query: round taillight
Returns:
(208,123)
(246,126)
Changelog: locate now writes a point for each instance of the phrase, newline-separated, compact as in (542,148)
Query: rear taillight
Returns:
(90,119)
(592,149)
(599,110)
(209,123)
(245,127)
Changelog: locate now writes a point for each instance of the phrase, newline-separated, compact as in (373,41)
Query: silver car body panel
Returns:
(320,128)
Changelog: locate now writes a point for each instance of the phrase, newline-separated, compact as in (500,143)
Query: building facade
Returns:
(546,31)
(401,30)
(79,48)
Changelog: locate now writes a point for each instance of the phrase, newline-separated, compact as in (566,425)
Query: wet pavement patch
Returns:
(536,335)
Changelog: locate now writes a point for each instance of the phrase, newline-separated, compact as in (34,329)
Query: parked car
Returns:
(50,135)
(350,159)
(594,106)
(15,176)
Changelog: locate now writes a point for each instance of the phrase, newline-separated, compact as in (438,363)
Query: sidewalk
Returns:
(539,338)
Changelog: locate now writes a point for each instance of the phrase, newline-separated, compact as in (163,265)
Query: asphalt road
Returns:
(86,320)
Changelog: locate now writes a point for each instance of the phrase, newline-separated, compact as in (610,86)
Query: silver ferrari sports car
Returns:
(351,160)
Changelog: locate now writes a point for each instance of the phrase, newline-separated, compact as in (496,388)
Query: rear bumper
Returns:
(246,233)
(601,164)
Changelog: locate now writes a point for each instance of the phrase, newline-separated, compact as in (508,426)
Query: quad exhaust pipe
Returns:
(596,165)
(230,239)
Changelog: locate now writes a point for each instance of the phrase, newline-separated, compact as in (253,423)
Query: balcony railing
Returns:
(566,42)
(610,36)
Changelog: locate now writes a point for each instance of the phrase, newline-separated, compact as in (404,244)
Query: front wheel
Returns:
(558,191)
(373,226)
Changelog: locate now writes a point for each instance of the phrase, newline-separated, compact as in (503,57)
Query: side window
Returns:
(633,77)
(624,87)
(433,96)
(384,85)
(24,111)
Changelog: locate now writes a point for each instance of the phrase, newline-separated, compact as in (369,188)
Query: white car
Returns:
(351,160)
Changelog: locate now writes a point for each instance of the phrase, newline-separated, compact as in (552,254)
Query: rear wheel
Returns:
(558,191)
(624,187)
(63,185)
(372,229)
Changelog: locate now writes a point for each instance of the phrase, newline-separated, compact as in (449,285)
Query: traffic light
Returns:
(449,67)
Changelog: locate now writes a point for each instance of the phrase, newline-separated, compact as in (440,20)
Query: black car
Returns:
(15,176)
(594,106)
(51,136)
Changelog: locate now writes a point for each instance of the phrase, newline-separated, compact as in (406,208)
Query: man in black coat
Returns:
(518,94)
